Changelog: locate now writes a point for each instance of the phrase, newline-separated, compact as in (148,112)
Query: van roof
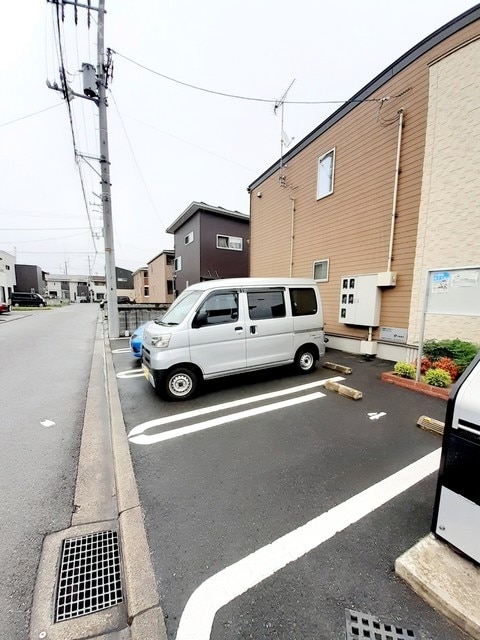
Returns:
(253,282)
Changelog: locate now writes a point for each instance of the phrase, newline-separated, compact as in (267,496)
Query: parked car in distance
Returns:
(120,300)
(4,307)
(136,340)
(24,299)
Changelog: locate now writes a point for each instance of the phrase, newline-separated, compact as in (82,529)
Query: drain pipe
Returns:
(291,233)
(395,189)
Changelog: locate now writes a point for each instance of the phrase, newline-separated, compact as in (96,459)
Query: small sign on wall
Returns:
(393,334)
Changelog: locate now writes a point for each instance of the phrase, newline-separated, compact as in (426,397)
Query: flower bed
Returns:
(420,387)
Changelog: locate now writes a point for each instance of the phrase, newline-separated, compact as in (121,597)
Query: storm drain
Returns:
(363,625)
(89,577)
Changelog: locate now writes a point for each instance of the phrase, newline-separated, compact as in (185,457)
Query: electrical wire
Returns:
(136,163)
(30,115)
(47,229)
(191,144)
(236,96)
(72,128)
(73,235)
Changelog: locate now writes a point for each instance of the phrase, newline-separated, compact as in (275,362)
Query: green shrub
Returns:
(461,352)
(405,369)
(437,378)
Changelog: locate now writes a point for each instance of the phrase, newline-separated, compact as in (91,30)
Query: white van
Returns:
(222,327)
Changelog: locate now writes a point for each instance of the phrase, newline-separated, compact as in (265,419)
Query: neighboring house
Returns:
(74,288)
(160,277)
(384,189)
(141,289)
(210,242)
(7,276)
(30,278)
(124,282)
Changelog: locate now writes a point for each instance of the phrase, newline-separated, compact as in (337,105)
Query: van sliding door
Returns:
(269,330)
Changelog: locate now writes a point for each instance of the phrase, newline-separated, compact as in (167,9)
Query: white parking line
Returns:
(130,373)
(157,422)
(229,583)
(231,417)
(124,350)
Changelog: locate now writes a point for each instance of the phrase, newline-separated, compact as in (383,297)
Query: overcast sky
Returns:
(169,144)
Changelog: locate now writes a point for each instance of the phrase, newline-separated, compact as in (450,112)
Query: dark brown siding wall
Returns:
(190,253)
(351,227)
(224,262)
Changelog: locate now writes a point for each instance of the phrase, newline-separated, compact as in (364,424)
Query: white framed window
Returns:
(320,270)
(325,174)
(177,264)
(229,242)
(189,238)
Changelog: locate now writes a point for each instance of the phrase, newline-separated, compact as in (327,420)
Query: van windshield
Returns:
(180,308)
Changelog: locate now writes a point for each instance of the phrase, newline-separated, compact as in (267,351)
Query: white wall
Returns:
(449,218)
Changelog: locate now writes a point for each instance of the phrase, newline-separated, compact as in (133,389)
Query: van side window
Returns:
(304,302)
(266,304)
(218,308)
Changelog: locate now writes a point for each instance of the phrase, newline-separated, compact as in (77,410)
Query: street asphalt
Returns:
(271,459)
(217,497)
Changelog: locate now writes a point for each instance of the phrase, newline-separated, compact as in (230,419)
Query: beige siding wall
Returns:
(449,222)
(351,227)
(158,274)
(139,284)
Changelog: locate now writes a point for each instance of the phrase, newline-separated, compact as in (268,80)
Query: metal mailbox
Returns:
(456,517)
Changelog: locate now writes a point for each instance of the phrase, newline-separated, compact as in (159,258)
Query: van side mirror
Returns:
(200,320)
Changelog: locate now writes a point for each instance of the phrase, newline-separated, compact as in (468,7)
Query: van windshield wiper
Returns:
(165,324)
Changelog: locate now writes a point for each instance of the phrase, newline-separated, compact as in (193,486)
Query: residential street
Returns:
(228,480)
(46,359)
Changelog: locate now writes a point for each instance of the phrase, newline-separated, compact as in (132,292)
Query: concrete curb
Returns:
(95,510)
(342,390)
(143,606)
(447,581)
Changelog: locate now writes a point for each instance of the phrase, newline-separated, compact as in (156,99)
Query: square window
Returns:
(189,238)
(229,242)
(320,270)
(325,172)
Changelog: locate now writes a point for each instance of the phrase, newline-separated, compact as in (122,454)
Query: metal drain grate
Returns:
(362,625)
(89,577)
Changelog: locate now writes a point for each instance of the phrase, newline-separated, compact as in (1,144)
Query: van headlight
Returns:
(161,341)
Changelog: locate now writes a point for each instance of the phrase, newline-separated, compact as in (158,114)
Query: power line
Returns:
(70,115)
(236,96)
(46,229)
(136,163)
(30,115)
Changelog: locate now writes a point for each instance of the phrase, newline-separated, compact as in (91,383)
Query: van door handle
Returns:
(253,329)
(238,329)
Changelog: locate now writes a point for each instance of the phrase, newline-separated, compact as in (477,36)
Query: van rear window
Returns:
(304,302)
(266,304)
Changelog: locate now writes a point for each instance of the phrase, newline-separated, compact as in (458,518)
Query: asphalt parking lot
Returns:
(258,500)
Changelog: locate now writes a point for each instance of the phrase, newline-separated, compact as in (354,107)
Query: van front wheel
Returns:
(180,383)
(305,360)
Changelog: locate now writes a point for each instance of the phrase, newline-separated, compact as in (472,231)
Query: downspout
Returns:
(395,189)
(291,234)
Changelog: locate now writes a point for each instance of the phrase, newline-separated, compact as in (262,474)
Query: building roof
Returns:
(194,207)
(59,277)
(458,23)
(165,252)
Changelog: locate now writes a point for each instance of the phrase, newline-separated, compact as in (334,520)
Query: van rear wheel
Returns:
(305,360)
(180,383)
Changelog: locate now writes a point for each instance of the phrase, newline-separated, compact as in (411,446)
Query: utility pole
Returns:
(96,91)
(110,274)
